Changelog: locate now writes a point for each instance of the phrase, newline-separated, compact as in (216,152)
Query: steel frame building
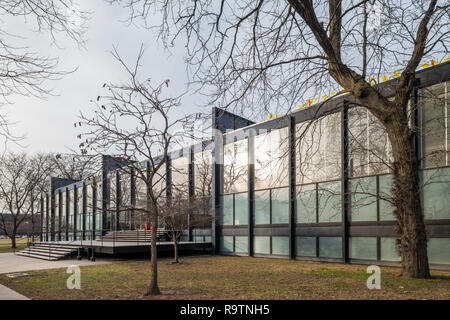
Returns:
(290,208)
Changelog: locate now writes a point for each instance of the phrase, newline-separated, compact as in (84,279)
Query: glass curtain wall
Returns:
(112,201)
(125,210)
(318,179)
(98,192)
(436,151)
(271,189)
(235,186)
(79,214)
(89,212)
(201,218)
(140,213)
(70,224)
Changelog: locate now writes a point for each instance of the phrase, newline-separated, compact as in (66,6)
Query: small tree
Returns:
(134,121)
(21,179)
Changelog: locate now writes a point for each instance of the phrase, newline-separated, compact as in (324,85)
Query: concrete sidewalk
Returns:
(9,262)
(8,294)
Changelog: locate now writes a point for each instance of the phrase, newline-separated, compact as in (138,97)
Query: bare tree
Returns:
(274,53)
(22,71)
(73,166)
(22,179)
(134,121)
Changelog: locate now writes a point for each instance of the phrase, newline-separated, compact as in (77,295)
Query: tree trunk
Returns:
(13,241)
(410,224)
(153,287)
(175,249)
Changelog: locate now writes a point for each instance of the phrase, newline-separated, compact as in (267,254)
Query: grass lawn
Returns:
(5,245)
(221,277)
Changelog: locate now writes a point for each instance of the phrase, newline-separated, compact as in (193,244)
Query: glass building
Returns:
(311,185)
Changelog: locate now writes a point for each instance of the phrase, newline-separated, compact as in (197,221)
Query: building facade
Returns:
(311,185)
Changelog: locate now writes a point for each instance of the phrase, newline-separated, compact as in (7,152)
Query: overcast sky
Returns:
(48,124)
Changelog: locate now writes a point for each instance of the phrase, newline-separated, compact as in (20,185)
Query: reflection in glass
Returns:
(280,205)
(262,207)
(436,193)
(329,196)
(241,209)
(271,159)
(386,208)
(319,149)
(306,204)
(235,167)
(435,122)
(363,199)
(369,146)
(280,245)
(261,245)
(241,244)
(389,249)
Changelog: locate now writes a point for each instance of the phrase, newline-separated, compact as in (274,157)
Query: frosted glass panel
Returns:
(389,250)
(439,250)
(262,245)
(280,205)
(262,207)
(330,202)
(436,193)
(330,247)
(241,244)
(227,212)
(241,209)
(386,209)
(363,199)
(306,246)
(363,248)
(280,246)
(306,204)
(226,244)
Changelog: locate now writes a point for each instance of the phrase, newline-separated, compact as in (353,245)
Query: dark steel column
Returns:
(217,186)
(75,211)
(190,188)
(94,207)
(344,182)
(83,222)
(251,189)
(133,198)
(118,202)
(292,188)
(67,214)
(41,205)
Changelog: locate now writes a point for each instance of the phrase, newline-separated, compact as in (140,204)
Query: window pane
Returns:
(389,250)
(280,205)
(386,209)
(363,248)
(438,250)
(227,212)
(434,123)
(436,193)
(330,247)
(369,146)
(262,245)
(203,173)
(180,177)
(330,202)
(271,159)
(226,244)
(241,244)
(306,246)
(235,166)
(306,204)
(363,199)
(241,209)
(262,207)
(319,151)
(280,245)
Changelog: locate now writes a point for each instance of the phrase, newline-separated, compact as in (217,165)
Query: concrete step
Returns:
(40,255)
(56,250)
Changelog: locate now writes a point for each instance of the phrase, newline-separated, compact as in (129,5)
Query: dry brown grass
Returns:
(222,277)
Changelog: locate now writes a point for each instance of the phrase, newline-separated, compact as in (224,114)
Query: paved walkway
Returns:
(9,262)
(8,294)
